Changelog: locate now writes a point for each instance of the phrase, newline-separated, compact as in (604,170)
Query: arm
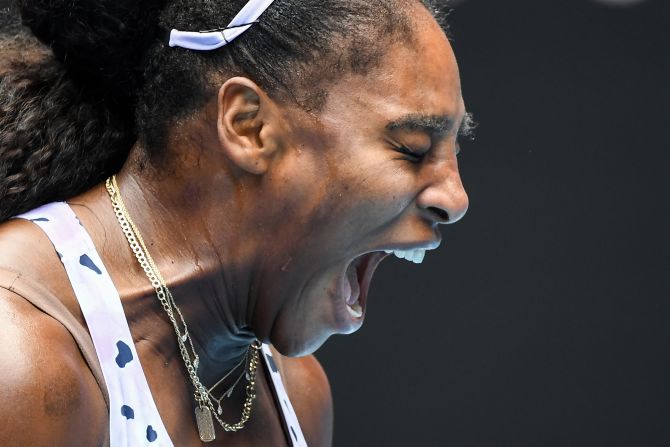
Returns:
(47,394)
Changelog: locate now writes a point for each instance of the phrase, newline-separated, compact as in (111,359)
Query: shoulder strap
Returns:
(133,416)
(290,418)
(103,312)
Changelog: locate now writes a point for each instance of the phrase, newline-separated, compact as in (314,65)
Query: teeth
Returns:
(355,310)
(415,256)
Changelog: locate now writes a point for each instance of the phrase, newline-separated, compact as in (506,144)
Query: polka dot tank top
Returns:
(133,416)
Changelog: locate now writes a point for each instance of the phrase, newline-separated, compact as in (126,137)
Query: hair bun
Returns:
(100,42)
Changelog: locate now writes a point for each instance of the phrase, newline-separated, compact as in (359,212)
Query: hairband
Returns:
(216,38)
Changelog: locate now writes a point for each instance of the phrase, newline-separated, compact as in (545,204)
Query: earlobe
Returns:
(244,111)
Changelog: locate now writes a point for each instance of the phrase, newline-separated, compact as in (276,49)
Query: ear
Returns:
(245,114)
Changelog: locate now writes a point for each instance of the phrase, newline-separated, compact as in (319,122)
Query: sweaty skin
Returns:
(253,218)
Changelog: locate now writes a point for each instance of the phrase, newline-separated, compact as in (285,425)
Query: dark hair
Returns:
(91,77)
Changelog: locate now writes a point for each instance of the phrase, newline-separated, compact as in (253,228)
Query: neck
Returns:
(193,248)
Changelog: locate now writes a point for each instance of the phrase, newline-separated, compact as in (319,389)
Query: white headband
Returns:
(211,40)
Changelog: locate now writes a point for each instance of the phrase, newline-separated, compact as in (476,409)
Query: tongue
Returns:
(352,277)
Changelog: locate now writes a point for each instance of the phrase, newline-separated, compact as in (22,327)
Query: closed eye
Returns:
(409,154)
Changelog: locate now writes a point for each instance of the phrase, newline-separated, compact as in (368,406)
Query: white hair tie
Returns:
(213,39)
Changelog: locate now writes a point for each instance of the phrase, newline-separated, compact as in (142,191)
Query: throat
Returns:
(219,347)
(222,359)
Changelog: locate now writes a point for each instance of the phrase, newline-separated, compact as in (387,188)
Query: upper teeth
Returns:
(416,256)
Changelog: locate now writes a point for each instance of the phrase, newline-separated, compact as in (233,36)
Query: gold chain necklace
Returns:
(205,407)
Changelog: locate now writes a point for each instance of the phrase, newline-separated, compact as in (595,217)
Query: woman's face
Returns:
(374,171)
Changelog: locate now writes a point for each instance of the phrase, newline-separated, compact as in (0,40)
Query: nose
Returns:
(445,197)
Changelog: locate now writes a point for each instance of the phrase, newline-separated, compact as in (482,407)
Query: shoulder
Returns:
(24,246)
(46,388)
(27,251)
(309,390)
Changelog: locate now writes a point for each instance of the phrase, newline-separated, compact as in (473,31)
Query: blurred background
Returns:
(544,320)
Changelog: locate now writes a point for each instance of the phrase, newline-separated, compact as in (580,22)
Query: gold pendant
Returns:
(203,416)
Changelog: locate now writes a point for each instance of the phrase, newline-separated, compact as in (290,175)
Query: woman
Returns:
(267,169)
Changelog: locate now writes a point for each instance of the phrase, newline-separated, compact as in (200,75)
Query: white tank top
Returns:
(133,416)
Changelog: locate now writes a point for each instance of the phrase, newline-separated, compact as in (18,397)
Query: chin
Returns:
(300,331)
(291,346)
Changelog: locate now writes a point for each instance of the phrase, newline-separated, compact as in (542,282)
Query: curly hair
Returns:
(83,80)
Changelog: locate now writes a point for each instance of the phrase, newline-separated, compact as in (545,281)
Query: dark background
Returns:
(544,318)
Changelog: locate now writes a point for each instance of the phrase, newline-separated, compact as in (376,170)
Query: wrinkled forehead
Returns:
(416,77)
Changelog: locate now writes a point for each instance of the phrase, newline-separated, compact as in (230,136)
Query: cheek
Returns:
(332,192)
(377,188)
(364,206)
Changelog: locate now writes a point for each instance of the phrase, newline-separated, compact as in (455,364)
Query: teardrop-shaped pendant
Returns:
(219,410)
(184,336)
(203,418)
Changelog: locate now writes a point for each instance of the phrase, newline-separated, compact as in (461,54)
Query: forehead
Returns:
(416,77)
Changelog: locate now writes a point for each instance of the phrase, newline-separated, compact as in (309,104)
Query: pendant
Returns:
(203,417)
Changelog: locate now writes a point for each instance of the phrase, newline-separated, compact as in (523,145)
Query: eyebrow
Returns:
(468,127)
(432,124)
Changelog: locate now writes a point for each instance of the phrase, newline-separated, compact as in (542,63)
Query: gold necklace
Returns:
(204,410)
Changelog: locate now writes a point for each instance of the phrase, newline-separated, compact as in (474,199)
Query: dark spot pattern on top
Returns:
(127,412)
(272,363)
(40,219)
(88,262)
(125,354)
(151,434)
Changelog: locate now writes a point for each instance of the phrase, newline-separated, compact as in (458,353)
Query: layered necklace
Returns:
(206,411)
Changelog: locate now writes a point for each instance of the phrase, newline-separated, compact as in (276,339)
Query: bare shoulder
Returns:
(309,390)
(25,248)
(46,389)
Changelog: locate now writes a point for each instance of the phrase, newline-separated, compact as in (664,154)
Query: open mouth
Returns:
(358,278)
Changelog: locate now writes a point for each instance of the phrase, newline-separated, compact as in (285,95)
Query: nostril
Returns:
(442,215)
